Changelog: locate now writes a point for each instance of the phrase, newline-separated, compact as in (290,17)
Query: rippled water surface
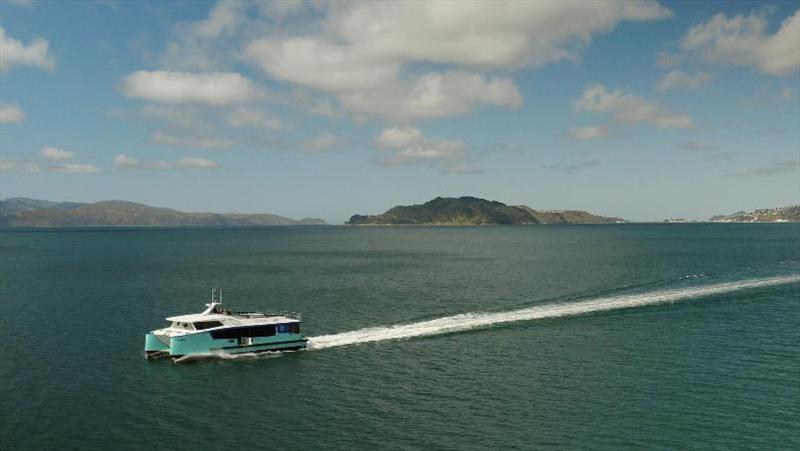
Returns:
(576,337)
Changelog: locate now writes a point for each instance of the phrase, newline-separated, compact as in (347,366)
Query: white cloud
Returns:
(216,88)
(193,45)
(225,17)
(74,168)
(184,141)
(280,9)
(324,108)
(9,165)
(360,51)
(11,113)
(54,154)
(195,163)
(590,133)
(484,34)
(434,94)
(319,64)
(15,53)
(629,109)
(409,147)
(677,79)
(744,41)
(252,117)
(126,162)
(398,137)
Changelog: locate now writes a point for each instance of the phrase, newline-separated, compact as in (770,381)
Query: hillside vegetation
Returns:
(23,212)
(475,211)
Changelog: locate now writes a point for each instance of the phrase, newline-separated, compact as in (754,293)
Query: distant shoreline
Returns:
(437,226)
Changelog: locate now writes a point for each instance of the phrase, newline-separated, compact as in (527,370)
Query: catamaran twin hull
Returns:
(224,341)
(218,331)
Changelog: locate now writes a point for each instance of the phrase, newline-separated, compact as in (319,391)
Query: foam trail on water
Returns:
(467,321)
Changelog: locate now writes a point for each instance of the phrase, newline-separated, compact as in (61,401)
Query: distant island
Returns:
(474,211)
(24,212)
(781,214)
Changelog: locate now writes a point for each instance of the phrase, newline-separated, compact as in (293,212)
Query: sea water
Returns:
(530,337)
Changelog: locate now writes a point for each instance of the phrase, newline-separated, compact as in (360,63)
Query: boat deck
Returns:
(237,318)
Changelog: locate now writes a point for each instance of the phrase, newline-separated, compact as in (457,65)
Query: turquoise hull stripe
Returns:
(300,344)
(153,344)
(203,343)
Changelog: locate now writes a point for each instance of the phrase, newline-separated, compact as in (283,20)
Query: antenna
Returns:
(220,295)
(213,291)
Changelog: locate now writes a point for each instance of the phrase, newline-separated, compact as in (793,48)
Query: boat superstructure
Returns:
(221,331)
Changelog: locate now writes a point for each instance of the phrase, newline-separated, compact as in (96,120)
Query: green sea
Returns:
(633,336)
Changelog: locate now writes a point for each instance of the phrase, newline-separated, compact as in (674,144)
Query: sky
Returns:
(643,110)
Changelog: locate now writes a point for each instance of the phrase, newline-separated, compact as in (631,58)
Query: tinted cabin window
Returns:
(262,331)
(226,334)
(294,328)
(207,325)
(254,331)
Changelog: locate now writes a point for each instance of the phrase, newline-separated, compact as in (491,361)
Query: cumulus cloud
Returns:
(772,169)
(195,163)
(484,34)
(54,154)
(407,146)
(744,41)
(677,79)
(319,64)
(74,168)
(280,9)
(215,88)
(11,113)
(324,108)
(361,51)
(188,141)
(123,161)
(629,109)
(193,44)
(590,133)
(434,94)
(11,165)
(398,137)
(379,88)
(224,17)
(15,53)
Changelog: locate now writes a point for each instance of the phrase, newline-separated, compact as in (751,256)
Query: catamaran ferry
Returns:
(220,331)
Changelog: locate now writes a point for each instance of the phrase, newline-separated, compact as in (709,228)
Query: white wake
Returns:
(467,321)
